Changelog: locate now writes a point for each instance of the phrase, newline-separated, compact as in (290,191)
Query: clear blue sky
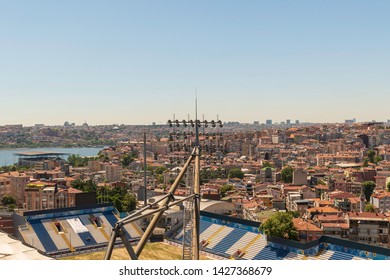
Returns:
(137,62)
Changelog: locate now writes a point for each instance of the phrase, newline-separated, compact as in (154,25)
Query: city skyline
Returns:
(141,62)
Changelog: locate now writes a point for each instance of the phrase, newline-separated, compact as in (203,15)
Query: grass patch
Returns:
(152,251)
(264,215)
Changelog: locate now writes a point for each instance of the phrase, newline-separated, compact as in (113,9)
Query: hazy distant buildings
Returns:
(268,122)
(288,122)
(350,121)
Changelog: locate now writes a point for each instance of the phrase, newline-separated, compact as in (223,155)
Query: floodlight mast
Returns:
(196,201)
(164,203)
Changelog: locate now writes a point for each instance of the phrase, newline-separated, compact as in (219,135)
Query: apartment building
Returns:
(47,195)
(113,172)
(307,231)
(299,177)
(368,227)
(351,157)
(381,201)
(5,186)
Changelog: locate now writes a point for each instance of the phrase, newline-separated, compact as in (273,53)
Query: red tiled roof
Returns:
(367,216)
(302,225)
(325,209)
(335,225)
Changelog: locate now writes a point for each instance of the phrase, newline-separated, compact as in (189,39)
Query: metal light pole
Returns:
(145,191)
(165,203)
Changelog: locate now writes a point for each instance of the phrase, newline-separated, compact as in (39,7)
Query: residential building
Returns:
(368,227)
(299,177)
(307,231)
(113,172)
(381,201)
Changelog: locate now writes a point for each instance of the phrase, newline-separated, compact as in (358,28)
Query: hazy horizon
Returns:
(138,62)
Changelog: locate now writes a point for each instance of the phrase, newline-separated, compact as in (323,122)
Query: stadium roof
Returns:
(13,249)
(36,154)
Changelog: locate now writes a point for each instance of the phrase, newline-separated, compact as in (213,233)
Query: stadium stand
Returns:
(43,236)
(226,243)
(93,229)
(239,239)
(76,229)
(31,237)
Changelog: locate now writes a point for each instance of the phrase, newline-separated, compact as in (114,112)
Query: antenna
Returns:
(196,119)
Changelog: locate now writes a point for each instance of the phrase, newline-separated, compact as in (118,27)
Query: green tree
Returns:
(78,161)
(321,182)
(160,170)
(160,179)
(150,169)
(388,186)
(365,162)
(266,164)
(295,214)
(224,189)
(377,159)
(128,202)
(8,200)
(287,174)
(11,207)
(369,208)
(85,186)
(126,160)
(368,189)
(236,173)
(371,155)
(280,225)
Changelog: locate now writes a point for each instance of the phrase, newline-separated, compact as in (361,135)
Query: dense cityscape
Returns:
(194,139)
(297,182)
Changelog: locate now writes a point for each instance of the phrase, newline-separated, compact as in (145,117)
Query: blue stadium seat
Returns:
(87,238)
(229,240)
(203,226)
(43,236)
(341,256)
(112,219)
(269,253)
